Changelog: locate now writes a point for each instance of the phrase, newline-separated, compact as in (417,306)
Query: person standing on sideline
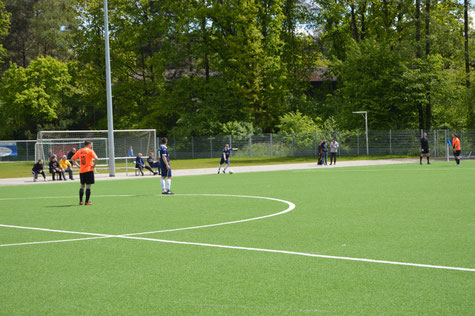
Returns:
(87,158)
(65,166)
(457,147)
(166,170)
(324,146)
(38,169)
(333,150)
(425,149)
(131,151)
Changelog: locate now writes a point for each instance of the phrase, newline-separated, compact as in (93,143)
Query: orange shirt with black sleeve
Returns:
(456,143)
(86,159)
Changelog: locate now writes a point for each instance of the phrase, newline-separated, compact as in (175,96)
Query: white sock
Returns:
(169,184)
(226,167)
(219,167)
(163,184)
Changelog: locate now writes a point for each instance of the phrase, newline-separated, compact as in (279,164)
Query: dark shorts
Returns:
(457,152)
(166,172)
(87,177)
(425,151)
(223,161)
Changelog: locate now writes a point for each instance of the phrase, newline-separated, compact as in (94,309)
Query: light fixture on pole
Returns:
(110,117)
(365,115)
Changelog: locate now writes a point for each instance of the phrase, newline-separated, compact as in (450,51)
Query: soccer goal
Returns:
(59,143)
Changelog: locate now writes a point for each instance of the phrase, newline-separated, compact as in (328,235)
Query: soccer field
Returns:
(395,239)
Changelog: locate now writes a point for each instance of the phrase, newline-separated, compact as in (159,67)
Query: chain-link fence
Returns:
(352,143)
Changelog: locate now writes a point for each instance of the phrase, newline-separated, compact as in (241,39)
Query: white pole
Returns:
(110,117)
(366,125)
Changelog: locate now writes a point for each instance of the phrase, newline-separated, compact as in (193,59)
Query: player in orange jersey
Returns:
(87,158)
(457,147)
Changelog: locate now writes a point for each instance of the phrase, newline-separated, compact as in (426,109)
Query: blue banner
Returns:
(8,149)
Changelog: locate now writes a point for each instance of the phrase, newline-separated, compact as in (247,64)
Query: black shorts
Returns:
(167,173)
(457,152)
(224,161)
(87,177)
(425,151)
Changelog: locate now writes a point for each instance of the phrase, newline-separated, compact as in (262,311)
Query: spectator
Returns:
(333,150)
(54,168)
(139,164)
(65,165)
(38,169)
(324,149)
(153,163)
(70,155)
(131,151)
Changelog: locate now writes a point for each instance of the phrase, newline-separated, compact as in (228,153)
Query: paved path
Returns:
(193,172)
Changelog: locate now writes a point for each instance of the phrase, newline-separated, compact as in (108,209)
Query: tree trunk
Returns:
(418,28)
(428,119)
(354,27)
(467,59)
(427,20)
(363,22)
(418,55)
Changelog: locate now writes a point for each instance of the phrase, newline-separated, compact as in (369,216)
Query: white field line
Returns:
(49,241)
(290,207)
(56,230)
(128,236)
(301,254)
(245,248)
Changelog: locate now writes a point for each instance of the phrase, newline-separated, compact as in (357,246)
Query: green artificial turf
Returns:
(21,169)
(402,213)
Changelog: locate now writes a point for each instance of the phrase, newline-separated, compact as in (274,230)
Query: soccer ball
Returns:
(230,172)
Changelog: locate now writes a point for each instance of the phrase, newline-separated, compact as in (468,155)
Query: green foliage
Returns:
(236,128)
(296,123)
(32,97)
(201,67)
(4,26)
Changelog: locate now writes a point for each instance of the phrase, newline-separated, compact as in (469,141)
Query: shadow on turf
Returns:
(69,205)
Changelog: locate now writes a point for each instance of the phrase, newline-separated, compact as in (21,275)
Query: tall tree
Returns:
(4,26)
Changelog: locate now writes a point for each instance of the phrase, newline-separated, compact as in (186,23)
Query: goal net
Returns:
(59,143)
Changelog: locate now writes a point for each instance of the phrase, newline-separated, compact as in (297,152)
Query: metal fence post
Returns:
(250,145)
(293,144)
(358,143)
(230,142)
(211,147)
(390,143)
(315,141)
(271,154)
(27,151)
(174,147)
(192,148)
(435,143)
(339,144)
(446,145)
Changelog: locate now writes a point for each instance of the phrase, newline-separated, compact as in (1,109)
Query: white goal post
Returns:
(61,142)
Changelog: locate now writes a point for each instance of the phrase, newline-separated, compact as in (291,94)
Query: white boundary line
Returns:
(287,210)
(301,254)
(49,241)
(130,236)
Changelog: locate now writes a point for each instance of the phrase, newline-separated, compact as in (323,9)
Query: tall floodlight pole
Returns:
(110,117)
(365,115)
